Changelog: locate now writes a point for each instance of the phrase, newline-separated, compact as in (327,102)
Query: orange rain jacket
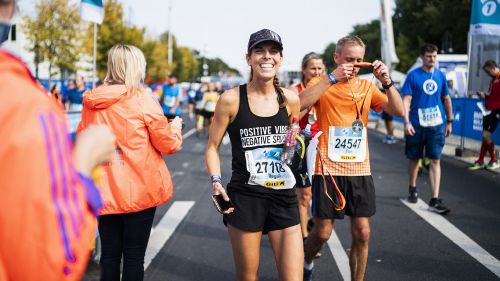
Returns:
(137,177)
(46,226)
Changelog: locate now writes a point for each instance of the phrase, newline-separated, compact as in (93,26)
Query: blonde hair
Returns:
(351,40)
(126,65)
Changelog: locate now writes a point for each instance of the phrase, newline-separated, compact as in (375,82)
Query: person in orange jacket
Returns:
(47,198)
(136,180)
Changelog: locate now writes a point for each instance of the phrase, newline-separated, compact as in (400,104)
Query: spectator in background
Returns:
(389,126)
(136,180)
(490,121)
(198,108)
(71,87)
(171,98)
(209,101)
(191,93)
(451,88)
(56,95)
(75,96)
(47,198)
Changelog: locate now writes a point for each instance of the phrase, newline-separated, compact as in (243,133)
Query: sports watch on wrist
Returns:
(388,86)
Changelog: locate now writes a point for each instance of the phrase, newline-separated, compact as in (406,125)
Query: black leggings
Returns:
(127,235)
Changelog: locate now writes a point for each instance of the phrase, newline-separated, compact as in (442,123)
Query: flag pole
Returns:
(94,56)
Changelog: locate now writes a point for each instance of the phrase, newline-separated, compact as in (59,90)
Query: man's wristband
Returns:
(388,86)
(332,78)
(216,178)
(449,121)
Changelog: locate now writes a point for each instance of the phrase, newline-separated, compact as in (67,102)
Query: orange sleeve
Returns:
(378,99)
(315,80)
(164,137)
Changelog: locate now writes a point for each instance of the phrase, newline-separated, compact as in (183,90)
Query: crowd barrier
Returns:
(467,119)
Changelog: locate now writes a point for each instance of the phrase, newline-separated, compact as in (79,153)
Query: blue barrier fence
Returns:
(467,119)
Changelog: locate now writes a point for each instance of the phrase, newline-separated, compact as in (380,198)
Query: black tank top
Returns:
(250,132)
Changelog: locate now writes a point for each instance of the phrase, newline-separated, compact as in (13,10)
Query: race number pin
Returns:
(357,126)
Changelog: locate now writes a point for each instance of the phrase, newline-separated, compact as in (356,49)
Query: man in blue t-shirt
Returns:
(75,96)
(171,98)
(426,100)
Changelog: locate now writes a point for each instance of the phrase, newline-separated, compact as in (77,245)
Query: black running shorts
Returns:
(261,213)
(491,120)
(359,193)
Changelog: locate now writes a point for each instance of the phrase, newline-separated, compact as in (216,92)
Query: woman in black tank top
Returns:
(261,189)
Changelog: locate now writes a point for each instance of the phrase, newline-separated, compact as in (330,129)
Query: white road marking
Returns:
(165,228)
(455,235)
(189,133)
(340,256)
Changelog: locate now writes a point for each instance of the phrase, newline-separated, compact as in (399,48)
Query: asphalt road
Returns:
(404,245)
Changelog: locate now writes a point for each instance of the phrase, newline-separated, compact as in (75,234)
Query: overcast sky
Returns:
(223,26)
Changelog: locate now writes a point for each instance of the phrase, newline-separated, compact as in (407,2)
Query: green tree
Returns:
(216,67)
(370,34)
(176,56)
(441,22)
(187,65)
(155,52)
(328,56)
(54,35)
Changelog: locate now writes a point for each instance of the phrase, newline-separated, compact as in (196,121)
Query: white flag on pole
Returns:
(92,10)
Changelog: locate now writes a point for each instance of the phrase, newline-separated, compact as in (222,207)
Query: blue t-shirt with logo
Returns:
(426,90)
(170,96)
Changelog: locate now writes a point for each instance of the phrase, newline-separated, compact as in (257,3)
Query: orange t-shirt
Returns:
(337,108)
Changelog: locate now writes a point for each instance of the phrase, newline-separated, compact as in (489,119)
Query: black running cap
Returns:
(263,36)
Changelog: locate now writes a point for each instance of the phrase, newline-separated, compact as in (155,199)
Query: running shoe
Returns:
(308,274)
(426,162)
(413,197)
(389,140)
(436,205)
(476,166)
(493,165)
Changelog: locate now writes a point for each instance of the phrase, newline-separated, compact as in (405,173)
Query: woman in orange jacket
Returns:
(136,180)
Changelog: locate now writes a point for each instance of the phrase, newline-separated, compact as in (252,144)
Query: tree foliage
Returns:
(187,64)
(444,23)
(54,35)
(441,22)
(216,67)
(328,56)
(155,52)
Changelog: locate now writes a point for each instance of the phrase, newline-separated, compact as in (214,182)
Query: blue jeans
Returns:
(127,235)
(429,138)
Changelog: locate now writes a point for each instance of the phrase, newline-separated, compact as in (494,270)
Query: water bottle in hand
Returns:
(289,147)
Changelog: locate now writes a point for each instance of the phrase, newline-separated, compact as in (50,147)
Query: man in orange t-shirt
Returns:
(343,101)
